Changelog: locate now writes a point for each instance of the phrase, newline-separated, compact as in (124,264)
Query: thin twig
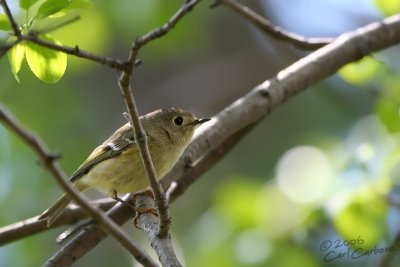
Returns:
(140,135)
(48,162)
(76,51)
(267,27)
(13,23)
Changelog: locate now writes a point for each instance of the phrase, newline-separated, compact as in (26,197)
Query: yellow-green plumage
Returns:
(115,166)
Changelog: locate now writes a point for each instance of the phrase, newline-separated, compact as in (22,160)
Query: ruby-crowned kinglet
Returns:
(115,167)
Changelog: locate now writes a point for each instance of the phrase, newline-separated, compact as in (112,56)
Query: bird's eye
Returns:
(178,121)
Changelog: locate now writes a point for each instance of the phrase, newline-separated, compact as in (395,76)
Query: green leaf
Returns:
(80,4)
(389,113)
(4,23)
(360,72)
(387,106)
(26,4)
(51,7)
(363,220)
(388,7)
(15,56)
(47,64)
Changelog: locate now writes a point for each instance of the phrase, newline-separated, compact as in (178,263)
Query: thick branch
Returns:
(260,101)
(49,163)
(270,29)
(150,224)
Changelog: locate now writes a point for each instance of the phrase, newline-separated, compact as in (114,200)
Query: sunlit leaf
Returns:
(4,23)
(47,64)
(25,4)
(365,219)
(388,7)
(360,72)
(51,7)
(15,56)
(58,8)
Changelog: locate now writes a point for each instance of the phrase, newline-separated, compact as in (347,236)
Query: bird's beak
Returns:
(200,121)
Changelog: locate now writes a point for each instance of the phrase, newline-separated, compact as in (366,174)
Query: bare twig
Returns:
(13,23)
(215,138)
(48,162)
(5,47)
(267,27)
(125,86)
(76,51)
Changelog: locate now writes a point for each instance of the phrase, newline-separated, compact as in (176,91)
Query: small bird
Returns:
(115,167)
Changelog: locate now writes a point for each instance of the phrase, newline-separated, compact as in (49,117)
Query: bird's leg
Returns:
(141,208)
(114,196)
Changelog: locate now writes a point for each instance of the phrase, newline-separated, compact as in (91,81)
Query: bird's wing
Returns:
(118,142)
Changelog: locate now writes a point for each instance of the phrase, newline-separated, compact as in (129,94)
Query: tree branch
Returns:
(13,23)
(48,161)
(270,29)
(31,226)
(216,137)
(88,238)
(76,51)
(140,135)
(150,224)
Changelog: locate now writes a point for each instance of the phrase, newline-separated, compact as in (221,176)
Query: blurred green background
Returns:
(309,182)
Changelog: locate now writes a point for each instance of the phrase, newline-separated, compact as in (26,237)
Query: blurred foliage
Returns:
(368,217)
(388,7)
(359,73)
(318,169)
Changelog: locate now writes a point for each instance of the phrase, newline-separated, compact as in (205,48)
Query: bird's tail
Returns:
(52,213)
